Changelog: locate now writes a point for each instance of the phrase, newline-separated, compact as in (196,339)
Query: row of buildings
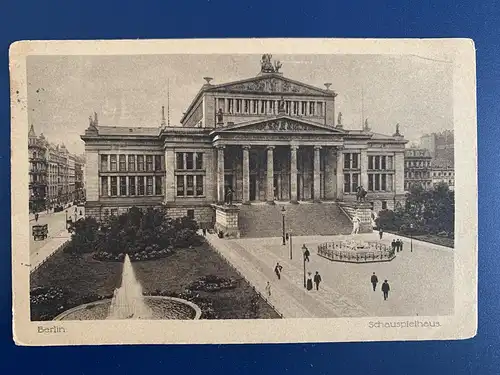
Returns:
(55,175)
(432,162)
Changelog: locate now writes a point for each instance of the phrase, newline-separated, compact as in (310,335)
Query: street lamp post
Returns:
(66,218)
(290,239)
(283,211)
(411,237)
(304,248)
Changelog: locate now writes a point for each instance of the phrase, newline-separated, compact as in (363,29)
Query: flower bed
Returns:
(150,253)
(212,283)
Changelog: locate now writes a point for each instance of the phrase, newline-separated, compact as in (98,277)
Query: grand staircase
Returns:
(304,219)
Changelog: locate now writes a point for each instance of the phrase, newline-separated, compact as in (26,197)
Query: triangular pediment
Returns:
(272,84)
(281,124)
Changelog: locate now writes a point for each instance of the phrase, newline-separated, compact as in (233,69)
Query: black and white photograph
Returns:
(233,188)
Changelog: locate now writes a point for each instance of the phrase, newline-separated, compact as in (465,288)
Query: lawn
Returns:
(84,279)
(431,238)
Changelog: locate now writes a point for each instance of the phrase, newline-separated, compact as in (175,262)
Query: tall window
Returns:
(140,163)
(351,161)
(113,163)
(190,185)
(311,108)
(123,185)
(149,180)
(199,185)
(114,187)
(122,166)
(131,186)
(149,163)
(158,186)
(158,163)
(180,186)
(199,161)
(179,160)
(320,109)
(189,160)
(104,163)
(131,163)
(104,186)
(351,182)
(262,106)
(140,185)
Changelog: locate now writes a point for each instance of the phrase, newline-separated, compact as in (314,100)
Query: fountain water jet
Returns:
(128,301)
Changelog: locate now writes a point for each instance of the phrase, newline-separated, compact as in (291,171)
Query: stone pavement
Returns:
(421,281)
(52,245)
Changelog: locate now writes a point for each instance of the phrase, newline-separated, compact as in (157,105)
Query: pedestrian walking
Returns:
(317,279)
(204,230)
(277,270)
(393,244)
(380,232)
(309,283)
(268,289)
(385,289)
(36,217)
(306,254)
(374,281)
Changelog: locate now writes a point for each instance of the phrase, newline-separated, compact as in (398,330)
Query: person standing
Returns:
(309,283)
(306,254)
(385,289)
(317,279)
(374,281)
(400,245)
(393,244)
(268,289)
(277,270)
(204,230)
(380,232)
(36,217)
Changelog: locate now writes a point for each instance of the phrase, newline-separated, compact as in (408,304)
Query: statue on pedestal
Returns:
(397,134)
(265,64)
(281,106)
(355,224)
(339,120)
(360,194)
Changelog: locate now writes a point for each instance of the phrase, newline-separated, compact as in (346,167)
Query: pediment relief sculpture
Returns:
(269,85)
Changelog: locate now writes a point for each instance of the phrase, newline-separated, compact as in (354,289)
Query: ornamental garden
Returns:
(169,259)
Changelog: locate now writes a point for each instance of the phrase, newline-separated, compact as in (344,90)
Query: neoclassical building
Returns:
(268,137)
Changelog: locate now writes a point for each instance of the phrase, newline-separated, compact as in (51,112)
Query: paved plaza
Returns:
(421,281)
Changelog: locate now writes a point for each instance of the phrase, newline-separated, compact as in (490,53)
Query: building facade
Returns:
(269,138)
(79,179)
(443,174)
(52,173)
(418,167)
(441,147)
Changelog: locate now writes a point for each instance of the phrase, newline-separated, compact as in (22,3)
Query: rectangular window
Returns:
(104,186)
(190,214)
(180,186)
(377,162)
(158,185)
(262,106)
(383,162)
(347,161)
(355,182)
(158,163)
(389,163)
(199,160)
(370,162)
(377,182)
(140,185)
(149,163)
(123,163)
(123,185)
(131,186)
(347,183)
(355,161)
(311,108)
(149,187)
(131,163)
(189,160)
(113,163)
(384,182)
(189,185)
(114,187)
(140,163)
(370,181)
(199,185)
(179,158)
(104,163)
(384,205)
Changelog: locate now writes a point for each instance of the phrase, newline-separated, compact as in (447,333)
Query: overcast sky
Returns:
(63,91)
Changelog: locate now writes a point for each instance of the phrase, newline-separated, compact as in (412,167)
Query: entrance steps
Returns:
(304,219)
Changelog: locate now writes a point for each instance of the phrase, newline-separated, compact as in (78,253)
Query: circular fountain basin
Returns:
(163,308)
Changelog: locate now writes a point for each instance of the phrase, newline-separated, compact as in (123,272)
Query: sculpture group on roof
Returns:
(266,66)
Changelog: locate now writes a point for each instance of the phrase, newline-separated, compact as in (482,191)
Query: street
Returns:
(56,224)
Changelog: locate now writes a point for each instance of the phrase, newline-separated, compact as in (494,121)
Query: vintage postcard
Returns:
(243,191)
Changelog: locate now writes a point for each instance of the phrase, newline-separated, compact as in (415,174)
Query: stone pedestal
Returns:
(363,211)
(226,220)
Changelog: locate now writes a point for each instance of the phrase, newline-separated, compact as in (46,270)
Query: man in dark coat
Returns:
(385,289)
(317,279)
(381,233)
(277,270)
(306,254)
(400,245)
(393,244)
(374,281)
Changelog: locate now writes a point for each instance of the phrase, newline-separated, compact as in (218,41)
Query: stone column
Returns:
(246,174)
(293,173)
(170,183)
(340,174)
(317,174)
(109,186)
(364,169)
(220,174)
(127,193)
(270,175)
